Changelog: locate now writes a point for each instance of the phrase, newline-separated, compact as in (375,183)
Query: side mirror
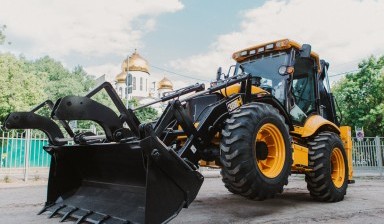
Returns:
(305,51)
(229,71)
(324,66)
(219,72)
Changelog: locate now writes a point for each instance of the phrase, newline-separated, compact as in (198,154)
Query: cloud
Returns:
(178,83)
(109,69)
(86,27)
(342,32)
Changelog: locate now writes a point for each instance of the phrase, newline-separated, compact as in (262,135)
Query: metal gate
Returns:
(367,154)
(22,154)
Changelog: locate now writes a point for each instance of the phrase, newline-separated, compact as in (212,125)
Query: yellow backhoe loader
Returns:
(271,115)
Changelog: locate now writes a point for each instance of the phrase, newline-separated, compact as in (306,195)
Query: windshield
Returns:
(266,70)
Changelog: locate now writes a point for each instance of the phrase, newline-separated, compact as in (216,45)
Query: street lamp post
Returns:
(128,82)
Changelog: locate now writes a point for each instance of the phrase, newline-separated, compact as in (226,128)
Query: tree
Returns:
(25,84)
(146,114)
(17,83)
(60,81)
(361,97)
(2,35)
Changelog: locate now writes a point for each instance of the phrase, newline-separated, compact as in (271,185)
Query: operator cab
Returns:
(264,70)
(288,71)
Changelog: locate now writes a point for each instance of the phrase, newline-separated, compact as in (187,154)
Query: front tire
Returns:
(329,179)
(256,152)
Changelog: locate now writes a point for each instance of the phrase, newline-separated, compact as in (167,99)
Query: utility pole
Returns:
(127,84)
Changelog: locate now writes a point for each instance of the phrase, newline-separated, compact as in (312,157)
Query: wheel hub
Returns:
(261,150)
(270,150)
(337,168)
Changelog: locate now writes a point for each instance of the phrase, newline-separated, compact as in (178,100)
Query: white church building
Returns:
(144,87)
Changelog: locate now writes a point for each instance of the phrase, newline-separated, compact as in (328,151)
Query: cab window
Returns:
(304,93)
(303,90)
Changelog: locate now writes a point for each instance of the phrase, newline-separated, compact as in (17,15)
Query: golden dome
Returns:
(120,78)
(136,63)
(165,84)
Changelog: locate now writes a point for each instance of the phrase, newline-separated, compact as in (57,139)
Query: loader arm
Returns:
(132,178)
(137,176)
(201,132)
(84,108)
(126,115)
(31,120)
(50,105)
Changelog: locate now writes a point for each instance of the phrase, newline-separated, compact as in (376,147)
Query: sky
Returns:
(188,40)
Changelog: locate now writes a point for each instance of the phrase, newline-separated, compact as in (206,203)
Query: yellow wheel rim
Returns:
(271,166)
(337,167)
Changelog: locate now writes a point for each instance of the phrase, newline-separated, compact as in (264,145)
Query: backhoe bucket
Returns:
(134,182)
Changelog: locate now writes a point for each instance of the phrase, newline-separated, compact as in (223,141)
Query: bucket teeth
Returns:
(82,218)
(80,215)
(45,209)
(103,219)
(57,210)
(67,215)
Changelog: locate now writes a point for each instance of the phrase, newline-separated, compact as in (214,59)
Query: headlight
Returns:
(282,70)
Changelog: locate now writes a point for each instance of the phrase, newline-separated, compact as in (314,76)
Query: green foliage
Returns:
(146,114)
(2,35)
(361,97)
(7,179)
(20,88)
(61,81)
(25,84)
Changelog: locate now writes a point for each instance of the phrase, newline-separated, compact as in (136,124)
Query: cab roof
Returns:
(282,44)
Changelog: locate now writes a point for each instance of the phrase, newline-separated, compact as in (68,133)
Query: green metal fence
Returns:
(13,153)
(367,154)
(22,154)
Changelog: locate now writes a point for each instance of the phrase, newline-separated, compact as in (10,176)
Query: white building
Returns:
(164,85)
(144,88)
(138,68)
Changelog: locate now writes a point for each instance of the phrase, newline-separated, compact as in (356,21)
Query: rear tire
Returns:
(329,179)
(256,152)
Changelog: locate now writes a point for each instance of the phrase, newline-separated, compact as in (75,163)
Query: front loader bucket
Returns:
(134,182)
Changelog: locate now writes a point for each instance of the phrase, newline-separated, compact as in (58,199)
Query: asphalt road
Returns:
(364,203)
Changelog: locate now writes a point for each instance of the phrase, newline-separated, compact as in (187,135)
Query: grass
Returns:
(36,178)
(7,179)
